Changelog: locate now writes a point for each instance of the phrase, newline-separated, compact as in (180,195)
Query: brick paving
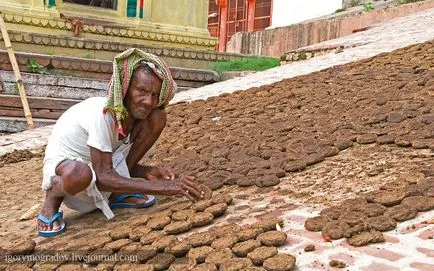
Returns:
(408,247)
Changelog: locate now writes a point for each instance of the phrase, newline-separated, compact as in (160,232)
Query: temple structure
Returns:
(64,49)
(99,29)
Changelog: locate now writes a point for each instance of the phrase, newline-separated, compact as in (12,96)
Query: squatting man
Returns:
(91,160)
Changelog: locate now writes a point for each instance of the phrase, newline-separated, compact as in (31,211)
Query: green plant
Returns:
(88,56)
(34,66)
(249,64)
(340,10)
(16,90)
(368,6)
(403,2)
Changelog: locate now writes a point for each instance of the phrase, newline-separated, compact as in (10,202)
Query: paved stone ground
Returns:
(398,33)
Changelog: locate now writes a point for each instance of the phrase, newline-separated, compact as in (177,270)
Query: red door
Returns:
(237,17)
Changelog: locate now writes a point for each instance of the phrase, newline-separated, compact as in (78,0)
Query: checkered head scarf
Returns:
(123,68)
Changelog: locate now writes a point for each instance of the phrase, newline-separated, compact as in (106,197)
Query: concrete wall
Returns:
(290,12)
(277,41)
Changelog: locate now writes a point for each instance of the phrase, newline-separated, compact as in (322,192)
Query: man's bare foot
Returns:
(49,208)
(130,200)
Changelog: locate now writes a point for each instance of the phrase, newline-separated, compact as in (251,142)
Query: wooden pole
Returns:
(17,73)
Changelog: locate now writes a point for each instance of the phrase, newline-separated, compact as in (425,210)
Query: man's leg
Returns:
(144,137)
(72,178)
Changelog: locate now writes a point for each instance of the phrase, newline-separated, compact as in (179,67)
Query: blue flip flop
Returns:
(118,201)
(57,216)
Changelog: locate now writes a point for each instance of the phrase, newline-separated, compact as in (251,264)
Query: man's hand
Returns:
(183,185)
(158,174)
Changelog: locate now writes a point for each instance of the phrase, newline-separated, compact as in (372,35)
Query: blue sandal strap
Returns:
(51,220)
(120,198)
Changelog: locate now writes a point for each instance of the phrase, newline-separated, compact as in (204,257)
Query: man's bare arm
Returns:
(109,180)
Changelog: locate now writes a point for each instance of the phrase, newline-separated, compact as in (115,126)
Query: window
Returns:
(110,4)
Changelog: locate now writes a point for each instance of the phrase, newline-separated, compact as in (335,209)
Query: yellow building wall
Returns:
(165,23)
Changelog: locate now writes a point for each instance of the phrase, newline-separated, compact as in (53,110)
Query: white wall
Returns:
(286,12)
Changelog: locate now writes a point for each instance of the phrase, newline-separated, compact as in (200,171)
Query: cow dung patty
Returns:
(183,205)
(373,209)
(247,234)
(159,222)
(420,203)
(178,249)
(335,229)
(182,264)
(236,264)
(149,238)
(222,198)
(267,181)
(199,239)
(217,209)
(350,203)
(161,261)
(243,248)
(316,223)
(260,254)
(272,238)
(381,223)
(163,242)
(207,192)
(183,214)
(145,253)
(269,224)
(201,219)
(401,212)
(386,198)
(280,262)
(224,242)
(332,212)
(366,237)
(199,253)
(205,267)
(178,227)
(201,205)
(219,256)
(227,229)
(353,218)
(137,233)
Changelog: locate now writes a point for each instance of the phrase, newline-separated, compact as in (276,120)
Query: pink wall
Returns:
(277,41)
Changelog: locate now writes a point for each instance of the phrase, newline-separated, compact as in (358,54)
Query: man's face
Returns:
(142,95)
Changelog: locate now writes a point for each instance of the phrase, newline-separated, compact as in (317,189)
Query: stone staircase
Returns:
(54,83)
